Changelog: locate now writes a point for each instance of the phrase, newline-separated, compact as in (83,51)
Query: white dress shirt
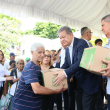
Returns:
(6,64)
(62,55)
(70,51)
(54,63)
(3,72)
(108,78)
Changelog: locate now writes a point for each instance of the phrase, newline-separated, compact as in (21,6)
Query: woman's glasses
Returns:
(48,56)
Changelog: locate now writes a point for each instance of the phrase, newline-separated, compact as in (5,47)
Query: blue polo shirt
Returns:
(25,99)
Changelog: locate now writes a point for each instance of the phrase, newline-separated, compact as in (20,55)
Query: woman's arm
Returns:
(15,80)
(6,78)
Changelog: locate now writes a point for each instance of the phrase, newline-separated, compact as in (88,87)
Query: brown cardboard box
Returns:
(48,79)
(92,58)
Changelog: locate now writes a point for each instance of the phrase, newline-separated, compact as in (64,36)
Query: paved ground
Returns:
(55,108)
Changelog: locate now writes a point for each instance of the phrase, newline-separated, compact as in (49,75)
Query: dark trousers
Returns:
(85,101)
(99,101)
(65,96)
(108,98)
(57,98)
(71,96)
(1,91)
(45,102)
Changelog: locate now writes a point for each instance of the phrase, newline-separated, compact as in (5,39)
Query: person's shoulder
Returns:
(81,41)
(1,66)
(14,69)
(31,65)
(7,61)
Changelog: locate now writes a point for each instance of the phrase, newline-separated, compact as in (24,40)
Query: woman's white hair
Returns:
(35,46)
(19,59)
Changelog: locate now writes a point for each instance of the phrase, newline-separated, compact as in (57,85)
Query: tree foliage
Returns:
(9,33)
(45,30)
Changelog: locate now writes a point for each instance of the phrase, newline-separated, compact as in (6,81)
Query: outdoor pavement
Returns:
(55,108)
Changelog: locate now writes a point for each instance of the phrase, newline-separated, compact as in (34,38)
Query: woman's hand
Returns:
(9,78)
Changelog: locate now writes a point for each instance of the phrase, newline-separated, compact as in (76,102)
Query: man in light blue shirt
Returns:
(106,29)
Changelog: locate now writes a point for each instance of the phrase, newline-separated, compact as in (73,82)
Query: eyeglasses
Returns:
(90,32)
(47,56)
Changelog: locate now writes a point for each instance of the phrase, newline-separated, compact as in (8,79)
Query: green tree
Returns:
(9,33)
(29,32)
(45,30)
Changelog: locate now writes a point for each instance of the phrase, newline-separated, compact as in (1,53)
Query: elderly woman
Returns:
(16,72)
(30,90)
(3,72)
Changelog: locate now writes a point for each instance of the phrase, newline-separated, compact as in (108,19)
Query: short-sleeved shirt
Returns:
(25,98)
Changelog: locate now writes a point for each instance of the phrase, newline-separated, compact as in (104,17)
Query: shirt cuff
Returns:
(104,77)
(2,79)
(65,74)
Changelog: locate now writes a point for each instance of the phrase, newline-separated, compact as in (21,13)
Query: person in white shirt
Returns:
(16,72)
(105,23)
(3,72)
(12,57)
(53,57)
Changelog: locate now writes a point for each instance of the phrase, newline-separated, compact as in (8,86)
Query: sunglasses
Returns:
(47,56)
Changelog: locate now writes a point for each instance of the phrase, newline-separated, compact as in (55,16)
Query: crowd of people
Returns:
(22,79)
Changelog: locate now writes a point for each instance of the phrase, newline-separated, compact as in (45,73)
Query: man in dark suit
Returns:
(88,83)
(86,35)
(69,94)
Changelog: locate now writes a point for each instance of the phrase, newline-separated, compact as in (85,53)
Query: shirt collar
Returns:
(85,40)
(18,71)
(71,43)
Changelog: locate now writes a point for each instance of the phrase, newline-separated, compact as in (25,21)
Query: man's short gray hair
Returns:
(66,29)
(84,30)
(106,18)
(35,46)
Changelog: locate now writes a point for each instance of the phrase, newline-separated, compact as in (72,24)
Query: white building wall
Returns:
(48,44)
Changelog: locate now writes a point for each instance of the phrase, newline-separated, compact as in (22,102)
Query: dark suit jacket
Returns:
(90,82)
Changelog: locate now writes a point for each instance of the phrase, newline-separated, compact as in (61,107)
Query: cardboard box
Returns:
(92,58)
(48,79)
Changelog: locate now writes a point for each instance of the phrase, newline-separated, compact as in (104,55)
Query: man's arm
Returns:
(38,89)
(73,68)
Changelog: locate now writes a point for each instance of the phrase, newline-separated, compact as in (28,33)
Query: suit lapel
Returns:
(74,48)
